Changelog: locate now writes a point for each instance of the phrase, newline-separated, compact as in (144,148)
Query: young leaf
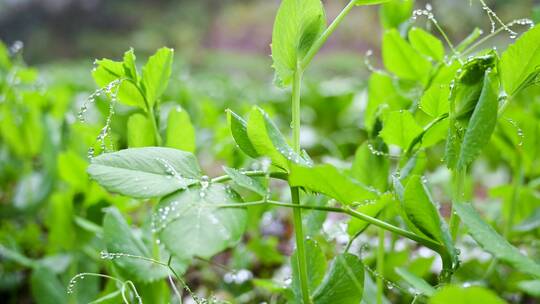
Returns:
(344,282)
(416,282)
(482,122)
(145,172)
(434,102)
(245,181)
(426,43)
(268,140)
(420,210)
(138,135)
(493,242)
(328,180)
(400,129)
(180,131)
(119,238)
(370,169)
(129,94)
(316,267)
(106,71)
(465,295)
(156,74)
(520,60)
(297,26)
(400,58)
(238,127)
(190,224)
(130,69)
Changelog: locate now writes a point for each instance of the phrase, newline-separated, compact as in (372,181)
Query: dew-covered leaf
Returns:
(370,208)
(193,222)
(238,127)
(268,140)
(482,122)
(493,242)
(426,43)
(137,131)
(343,283)
(402,59)
(326,179)
(156,73)
(520,61)
(297,26)
(316,268)
(245,181)
(120,239)
(180,131)
(369,168)
(400,129)
(145,172)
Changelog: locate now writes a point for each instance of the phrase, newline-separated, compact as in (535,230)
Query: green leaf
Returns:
(138,135)
(327,180)
(435,102)
(268,140)
(482,122)
(402,59)
(465,295)
(156,74)
(416,282)
(520,61)
(47,288)
(129,94)
(245,181)
(396,12)
(344,282)
(180,131)
(382,95)
(494,243)
(400,129)
(130,69)
(419,208)
(238,127)
(106,71)
(530,287)
(119,238)
(370,2)
(426,44)
(297,26)
(145,172)
(71,169)
(192,223)
(370,169)
(316,268)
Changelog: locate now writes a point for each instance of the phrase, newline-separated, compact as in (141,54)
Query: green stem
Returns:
(458,181)
(324,36)
(435,246)
(256,173)
(380,268)
(153,118)
(295,193)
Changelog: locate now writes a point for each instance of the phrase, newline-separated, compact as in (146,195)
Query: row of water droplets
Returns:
(81,276)
(110,90)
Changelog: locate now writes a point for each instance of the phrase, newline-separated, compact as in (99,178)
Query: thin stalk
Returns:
(256,173)
(350,211)
(153,118)
(458,181)
(380,267)
(324,36)
(295,193)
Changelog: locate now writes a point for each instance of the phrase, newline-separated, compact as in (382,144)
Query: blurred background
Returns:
(60,30)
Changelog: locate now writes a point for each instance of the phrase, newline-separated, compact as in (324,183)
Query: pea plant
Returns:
(433,100)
